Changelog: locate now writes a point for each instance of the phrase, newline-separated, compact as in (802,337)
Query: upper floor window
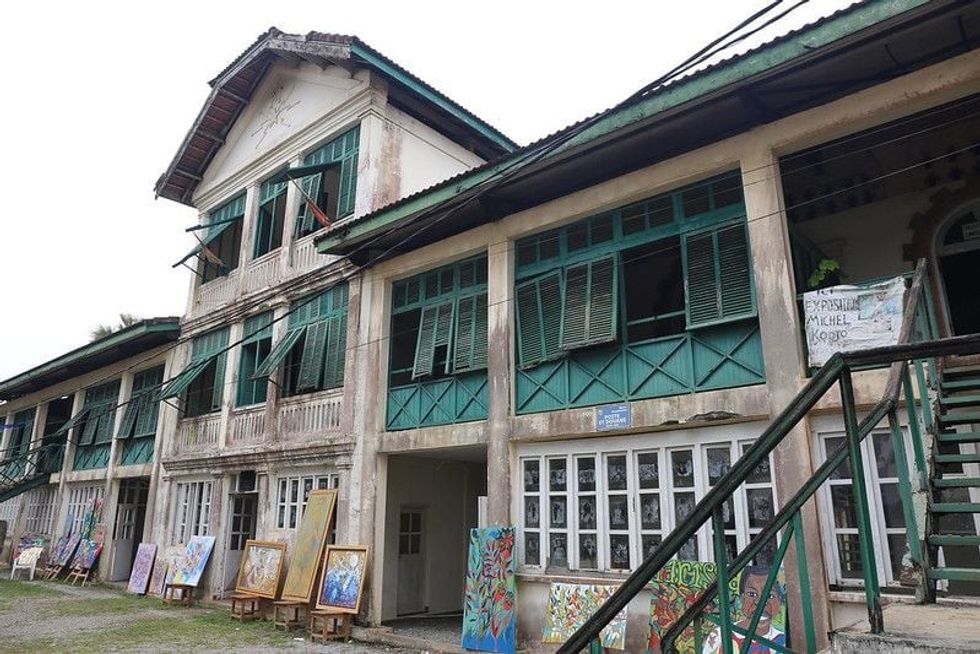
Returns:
(329,184)
(21,430)
(312,351)
(100,414)
(202,382)
(676,262)
(439,322)
(256,345)
(219,240)
(141,412)
(272,213)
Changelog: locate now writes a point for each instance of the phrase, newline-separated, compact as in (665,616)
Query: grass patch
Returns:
(99,605)
(203,630)
(14,591)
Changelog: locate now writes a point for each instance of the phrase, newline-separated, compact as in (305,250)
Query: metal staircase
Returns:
(954,509)
(939,411)
(20,471)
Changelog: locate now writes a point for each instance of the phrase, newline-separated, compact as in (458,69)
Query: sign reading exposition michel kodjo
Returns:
(851,318)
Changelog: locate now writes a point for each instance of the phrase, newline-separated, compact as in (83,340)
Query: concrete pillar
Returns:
(500,288)
(125,394)
(273,394)
(249,223)
(232,359)
(37,433)
(782,352)
(293,200)
(166,431)
(377,178)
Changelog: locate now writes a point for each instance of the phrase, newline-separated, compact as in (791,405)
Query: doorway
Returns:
(244,502)
(958,253)
(411,562)
(128,529)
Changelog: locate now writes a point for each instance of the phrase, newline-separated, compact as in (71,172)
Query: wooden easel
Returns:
(78,573)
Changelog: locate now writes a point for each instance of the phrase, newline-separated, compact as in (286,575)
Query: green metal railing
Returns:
(916,350)
(22,470)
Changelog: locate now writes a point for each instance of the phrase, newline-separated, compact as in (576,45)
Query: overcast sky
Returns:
(98,96)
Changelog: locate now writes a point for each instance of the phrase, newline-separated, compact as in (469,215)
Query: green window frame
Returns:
(21,433)
(717,275)
(255,348)
(539,318)
(100,409)
(141,412)
(590,302)
(451,302)
(201,383)
(312,351)
(271,217)
(333,188)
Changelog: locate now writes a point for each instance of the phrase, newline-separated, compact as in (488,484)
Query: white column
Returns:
(249,223)
(232,359)
(293,200)
(500,287)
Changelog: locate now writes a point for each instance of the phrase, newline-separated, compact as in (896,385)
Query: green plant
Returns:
(827,273)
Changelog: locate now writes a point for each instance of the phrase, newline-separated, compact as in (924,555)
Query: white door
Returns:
(244,510)
(124,538)
(411,563)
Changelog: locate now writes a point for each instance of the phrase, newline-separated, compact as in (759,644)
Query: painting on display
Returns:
(88,552)
(66,554)
(161,568)
(57,552)
(260,568)
(570,605)
(310,541)
(679,584)
(342,580)
(489,604)
(27,541)
(189,567)
(139,578)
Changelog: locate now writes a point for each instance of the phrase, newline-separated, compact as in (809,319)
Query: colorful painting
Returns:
(772,624)
(161,568)
(261,566)
(66,554)
(342,581)
(59,548)
(570,605)
(310,541)
(28,541)
(189,567)
(679,584)
(139,578)
(489,604)
(88,552)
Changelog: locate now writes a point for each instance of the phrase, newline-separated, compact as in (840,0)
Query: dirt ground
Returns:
(54,617)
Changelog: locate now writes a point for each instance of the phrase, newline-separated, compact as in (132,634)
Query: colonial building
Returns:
(83,425)
(298,131)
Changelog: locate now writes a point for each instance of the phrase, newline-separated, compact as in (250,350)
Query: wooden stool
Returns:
(246,607)
(287,614)
(180,594)
(328,624)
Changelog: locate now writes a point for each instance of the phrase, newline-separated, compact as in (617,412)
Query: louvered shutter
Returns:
(311,365)
(435,329)
(348,186)
(91,427)
(335,358)
(73,422)
(590,305)
(470,341)
(279,352)
(736,273)
(311,189)
(539,309)
(130,414)
(718,276)
(217,392)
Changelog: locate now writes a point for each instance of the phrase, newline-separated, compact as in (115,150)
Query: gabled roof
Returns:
(854,48)
(130,341)
(233,88)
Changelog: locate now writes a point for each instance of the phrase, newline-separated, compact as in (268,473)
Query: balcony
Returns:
(310,416)
(195,435)
(247,426)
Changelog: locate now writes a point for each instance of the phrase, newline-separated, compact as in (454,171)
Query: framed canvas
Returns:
(489,601)
(161,568)
(310,541)
(88,552)
(342,579)
(261,566)
(65,556)
(189,568)
(139,578)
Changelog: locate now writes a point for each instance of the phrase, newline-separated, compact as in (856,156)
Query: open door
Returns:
(411,562)
(128,529)
(959,264)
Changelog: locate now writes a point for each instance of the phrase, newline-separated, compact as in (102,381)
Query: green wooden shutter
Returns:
(470,342)
(217,393)
(130,413)
(91,427)
(279,352)
(348,186)
(304,218)
(539,309)
(435,329)
(335,358)
(589,308)
(718,276)
(311,365)
(736,274)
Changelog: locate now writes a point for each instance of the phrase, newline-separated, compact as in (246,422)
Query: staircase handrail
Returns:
(836,370)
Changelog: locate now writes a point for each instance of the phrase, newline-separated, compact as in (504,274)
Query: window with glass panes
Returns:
(269,223)
(192,510)
(589,506)
(294,493)
(256,345)
(839,511)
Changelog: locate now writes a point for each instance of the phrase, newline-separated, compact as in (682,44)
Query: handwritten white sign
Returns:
(851,318)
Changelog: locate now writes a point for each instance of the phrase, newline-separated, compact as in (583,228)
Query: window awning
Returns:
(73,422)
(185,378)
(133,408)
(218,221)
(279,352)
(299,172)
